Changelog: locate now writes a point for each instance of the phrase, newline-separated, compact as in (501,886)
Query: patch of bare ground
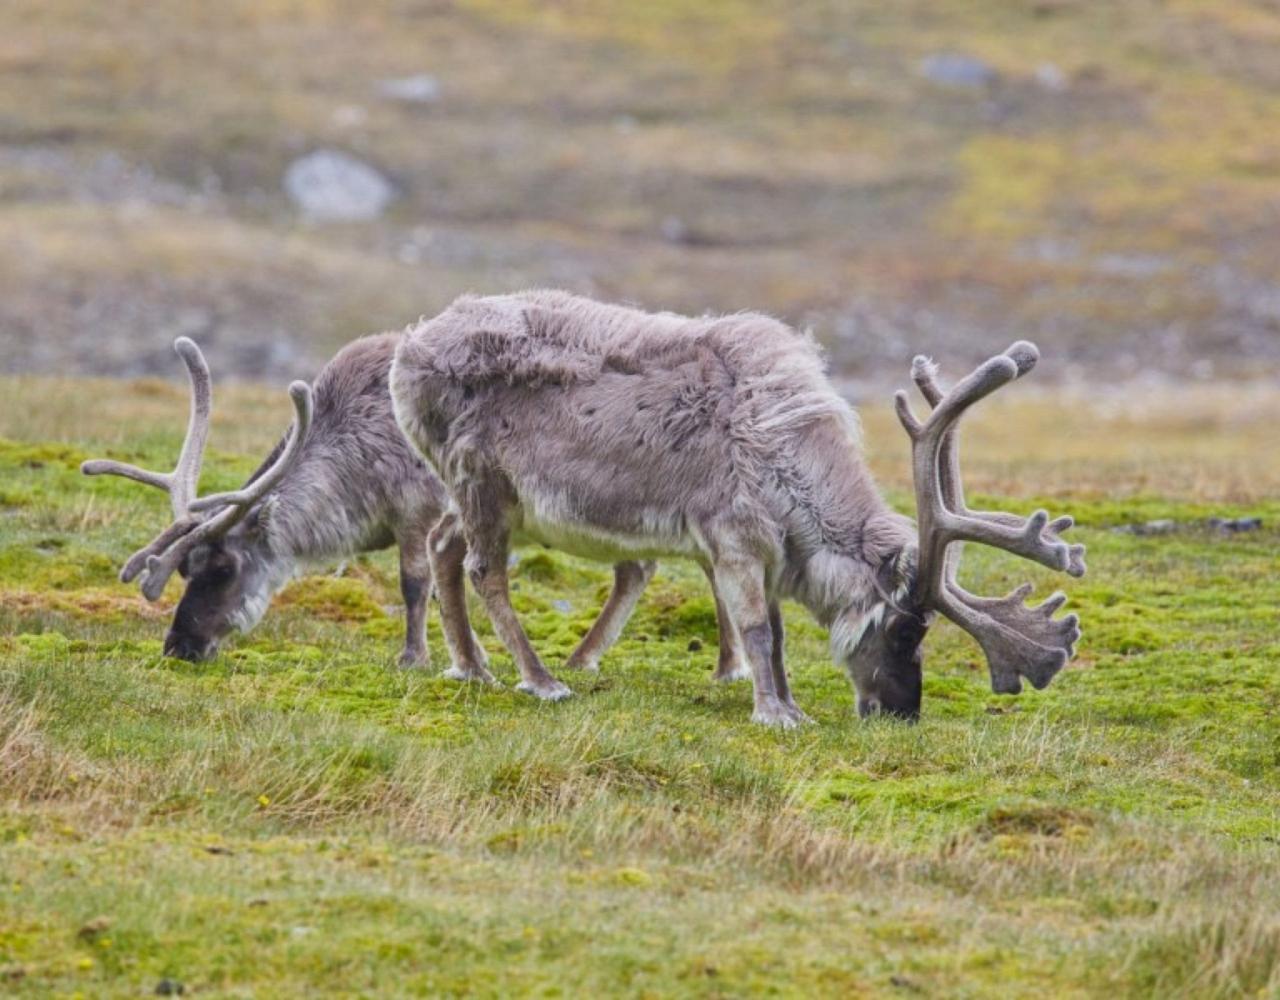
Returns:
(1103,183)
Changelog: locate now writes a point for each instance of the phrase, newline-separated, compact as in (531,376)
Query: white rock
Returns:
(1050,77)
(674,230)
(349,115)
(421,88)
(332,186)
(955,69)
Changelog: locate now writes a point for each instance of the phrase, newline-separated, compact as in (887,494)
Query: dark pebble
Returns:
(1234,524)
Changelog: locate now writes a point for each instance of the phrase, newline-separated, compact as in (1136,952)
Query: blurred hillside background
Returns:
(276,177)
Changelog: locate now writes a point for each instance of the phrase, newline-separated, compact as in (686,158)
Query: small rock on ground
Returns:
(332,186)
(1166,526)
(1230,525)
(93,928)
(420,88)
(1050,77)
(955,69)
(1161,526)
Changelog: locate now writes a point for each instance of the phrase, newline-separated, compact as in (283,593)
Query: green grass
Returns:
(297,817)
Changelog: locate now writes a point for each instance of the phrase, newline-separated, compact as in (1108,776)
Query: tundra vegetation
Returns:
(297,817)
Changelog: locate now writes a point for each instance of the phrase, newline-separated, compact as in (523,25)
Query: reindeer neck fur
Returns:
(264,572)
(846,550)
(357,480)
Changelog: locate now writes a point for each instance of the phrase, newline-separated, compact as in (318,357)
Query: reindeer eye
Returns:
(222,567)
(219,573)
(906,633)
(195,562)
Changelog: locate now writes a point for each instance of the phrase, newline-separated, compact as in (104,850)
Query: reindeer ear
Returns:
(259,519)
(906,567)
(896,577)
(905,631)
(193,562)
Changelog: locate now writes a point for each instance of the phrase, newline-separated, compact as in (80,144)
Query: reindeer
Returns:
(614,433)
(342,480)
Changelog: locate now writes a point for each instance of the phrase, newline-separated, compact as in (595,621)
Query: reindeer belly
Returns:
(545,522)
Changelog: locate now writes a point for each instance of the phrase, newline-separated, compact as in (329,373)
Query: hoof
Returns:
(413,660)
(738,672)
(481,676)
(551,690)
(780,716)
(582,663)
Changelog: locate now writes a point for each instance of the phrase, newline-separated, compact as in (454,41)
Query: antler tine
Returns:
(180,484)
(924,373)
(186,474)
(300,393)
(162,563)
(1019,641)
(1016,639)
(932,484)
(138,561)
(108,467)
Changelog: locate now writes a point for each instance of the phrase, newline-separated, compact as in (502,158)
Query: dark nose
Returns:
(871,706)
(187,647)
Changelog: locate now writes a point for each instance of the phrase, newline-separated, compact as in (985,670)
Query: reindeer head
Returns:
(920,581)
(217,543)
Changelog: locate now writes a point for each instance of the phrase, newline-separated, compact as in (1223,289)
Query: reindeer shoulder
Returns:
(540,338)
(509,339)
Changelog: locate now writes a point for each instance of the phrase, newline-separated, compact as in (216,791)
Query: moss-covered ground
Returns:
(299,818)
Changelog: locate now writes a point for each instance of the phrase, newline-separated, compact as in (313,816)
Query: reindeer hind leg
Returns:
(629,581)
(447,550)
(415,586)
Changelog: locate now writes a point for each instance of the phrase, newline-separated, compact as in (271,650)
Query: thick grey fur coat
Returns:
(618,434)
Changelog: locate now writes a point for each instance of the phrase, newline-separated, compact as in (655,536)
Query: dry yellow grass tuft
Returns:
(1208,443)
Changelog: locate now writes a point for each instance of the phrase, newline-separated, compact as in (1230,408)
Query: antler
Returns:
(180,484)
(1017,640)
(164,554)
(234,505)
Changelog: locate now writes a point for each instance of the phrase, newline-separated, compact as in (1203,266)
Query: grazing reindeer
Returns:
(615,433)
(343,480)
